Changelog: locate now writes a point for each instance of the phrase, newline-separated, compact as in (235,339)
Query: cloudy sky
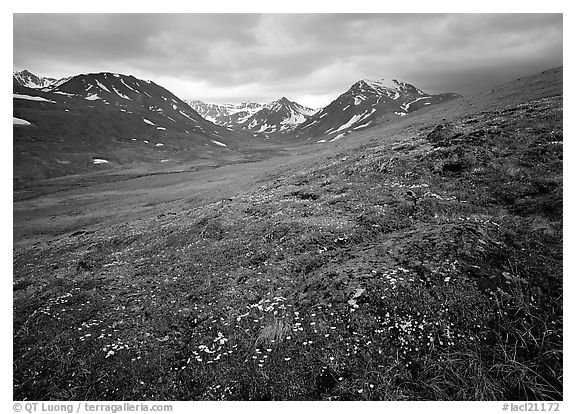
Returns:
(310,58)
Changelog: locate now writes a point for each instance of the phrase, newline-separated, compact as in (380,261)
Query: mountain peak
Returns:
(364,104)
(282,101)
(30,80)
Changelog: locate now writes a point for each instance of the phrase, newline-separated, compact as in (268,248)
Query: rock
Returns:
(443,134)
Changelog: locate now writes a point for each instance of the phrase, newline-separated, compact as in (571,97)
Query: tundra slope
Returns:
(421,260)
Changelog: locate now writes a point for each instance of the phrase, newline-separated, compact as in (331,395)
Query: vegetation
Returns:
(427,268)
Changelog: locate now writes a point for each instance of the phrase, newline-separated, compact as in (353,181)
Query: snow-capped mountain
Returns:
(29,80)
(130,95)
(363,104)
(279,116)
(226,114)
(113,117)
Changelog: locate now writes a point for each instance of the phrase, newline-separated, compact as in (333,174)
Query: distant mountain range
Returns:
(61,126)
(226,114)
(362,106)
(282,115)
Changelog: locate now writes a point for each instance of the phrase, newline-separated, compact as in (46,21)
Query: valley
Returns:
(418,259)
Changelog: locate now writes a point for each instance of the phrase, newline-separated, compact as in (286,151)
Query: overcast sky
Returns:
(309,58)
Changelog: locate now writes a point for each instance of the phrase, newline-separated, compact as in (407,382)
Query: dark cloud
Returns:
(233,57)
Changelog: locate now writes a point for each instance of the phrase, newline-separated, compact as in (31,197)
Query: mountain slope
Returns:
(364,104)
(63,128)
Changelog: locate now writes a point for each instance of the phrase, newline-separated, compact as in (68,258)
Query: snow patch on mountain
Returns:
(407,105)
(31,98)
(363,125)
(128,86)
(354,120)
(186,115)
(337,137)
(120,94)
(19,121)
(263,127)
(102,86)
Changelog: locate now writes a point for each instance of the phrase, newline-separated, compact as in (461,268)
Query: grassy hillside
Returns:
(422,265)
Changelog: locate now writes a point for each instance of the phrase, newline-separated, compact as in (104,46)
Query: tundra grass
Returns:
(429,268)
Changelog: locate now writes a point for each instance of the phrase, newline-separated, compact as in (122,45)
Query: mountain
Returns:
(424,260)
(226,114)
(29,80)
(106,120)
(364,104)
(66,127)
(278,116)
(130,94)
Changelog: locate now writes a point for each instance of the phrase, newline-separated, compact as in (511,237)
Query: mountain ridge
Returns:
(276,116)
(101,116)
(64,128)
(363,105)
(30,80)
